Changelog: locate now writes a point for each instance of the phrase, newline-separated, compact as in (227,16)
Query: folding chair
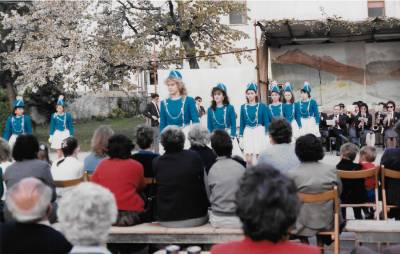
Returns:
(325,197)
(363,174)
(68,183)
(387,173)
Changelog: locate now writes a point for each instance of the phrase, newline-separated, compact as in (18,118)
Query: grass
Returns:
(84,130)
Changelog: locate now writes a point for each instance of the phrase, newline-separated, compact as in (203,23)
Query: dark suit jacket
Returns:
(354,191)
(391,160)
(201,111)
(366,126)
(343,119)
(22,238)
(150,111)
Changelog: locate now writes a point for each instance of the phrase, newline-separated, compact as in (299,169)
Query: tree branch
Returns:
(141,8)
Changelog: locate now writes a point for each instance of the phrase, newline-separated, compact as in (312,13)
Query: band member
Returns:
(339,128)
(253,124)
(310,117)
(201,111)
(152,112)
(221,115)
(17,123)
(276,106)
(179,109)
(291,110)
(364,124)
(352,116)
(61,126)
(389,121)
(378,124)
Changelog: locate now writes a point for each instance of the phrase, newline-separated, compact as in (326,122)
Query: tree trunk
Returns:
(189,47)
(8,84)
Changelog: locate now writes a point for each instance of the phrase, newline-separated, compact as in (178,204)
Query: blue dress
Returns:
(248,116)
(17,125)
(291,111)
(309,109)
(61,123)
(179,112)
(222,118)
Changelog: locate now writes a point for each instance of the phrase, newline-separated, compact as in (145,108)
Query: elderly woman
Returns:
(124,178)
(99,146)
(86,215)
(313,176)
(199,138)
(181,195)
(281,153)
(5,161)
(267,205)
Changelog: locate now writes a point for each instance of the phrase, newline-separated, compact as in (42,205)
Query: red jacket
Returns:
(123,178)
(369,182)
(248,246)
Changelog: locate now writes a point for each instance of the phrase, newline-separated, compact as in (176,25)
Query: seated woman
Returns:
(199,138)
(223,182)
(181,195)
(281,153)
(124,178)
(313,176)
(98,145)
(68,167)
(267,205)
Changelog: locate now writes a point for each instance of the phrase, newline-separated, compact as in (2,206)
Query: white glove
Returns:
(51,138)
(154,117)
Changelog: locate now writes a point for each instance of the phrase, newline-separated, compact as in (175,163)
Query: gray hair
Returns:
(100,139)
(199,135)
(172,138)
(29,200)
(86,214)
(5,150)
(349,151)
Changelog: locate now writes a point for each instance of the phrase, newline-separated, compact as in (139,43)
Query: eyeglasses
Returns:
(390,106)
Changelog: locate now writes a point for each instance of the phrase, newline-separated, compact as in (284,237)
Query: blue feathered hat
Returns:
(288,87)
(274,87)
(175,74)
(251,86)
(221,86)
(306,87)
(60,101)
(19,102)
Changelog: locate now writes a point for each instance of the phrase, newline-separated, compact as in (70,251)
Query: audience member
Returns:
(281,152)
(5,161)
(86,214)
(68,167)
(391,160)
(124,178)
(267,205)
(313,176)
(29,204)
(223,182)
(353,189)
(367,158)
(181,195)
(199,138)
(98,145)
(43,153)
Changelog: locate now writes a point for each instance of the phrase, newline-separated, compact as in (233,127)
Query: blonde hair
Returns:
(180,84)
(369,153)
(100,138)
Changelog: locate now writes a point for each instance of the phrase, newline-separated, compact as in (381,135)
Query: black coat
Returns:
(181,193)
(343,120)
(206,154)
(354,191)
(151,110)
(391,160)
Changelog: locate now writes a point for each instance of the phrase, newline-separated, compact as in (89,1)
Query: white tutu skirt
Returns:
(58,137)
(254,140)
(309,126)
(12,140)
(296,131)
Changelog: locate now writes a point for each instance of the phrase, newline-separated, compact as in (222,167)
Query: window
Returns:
(238,18)
(376,9)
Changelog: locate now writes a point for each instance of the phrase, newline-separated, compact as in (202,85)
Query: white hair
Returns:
(86,214)
(199,135)
(29,200)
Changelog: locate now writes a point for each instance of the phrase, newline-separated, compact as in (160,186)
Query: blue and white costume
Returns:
(310,117)
(291,112)
(180,112)
(61,126)
(254,121)
(224,118)
(275,109)
(17,125)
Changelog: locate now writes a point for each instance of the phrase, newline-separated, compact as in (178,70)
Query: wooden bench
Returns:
(154,233)
(372,231)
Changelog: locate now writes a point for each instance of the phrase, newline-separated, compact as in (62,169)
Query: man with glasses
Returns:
(391,137)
